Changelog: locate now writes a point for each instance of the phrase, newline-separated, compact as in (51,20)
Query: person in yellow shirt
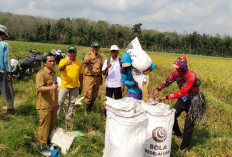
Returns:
(71,81)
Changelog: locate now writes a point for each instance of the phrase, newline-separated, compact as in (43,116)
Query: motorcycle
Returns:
(59,54)
(27,66)
(36,55)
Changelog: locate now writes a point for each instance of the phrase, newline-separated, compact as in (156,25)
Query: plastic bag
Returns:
(62,139)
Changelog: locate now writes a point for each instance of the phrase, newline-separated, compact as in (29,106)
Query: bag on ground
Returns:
(61,138)
(138,129)
(159,130)
(125,131)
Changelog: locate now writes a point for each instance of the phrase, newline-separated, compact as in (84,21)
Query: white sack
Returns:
(148,106)
(125,131)
(62,139)
(140,59)
(125,104)
(139,77)
(159,131)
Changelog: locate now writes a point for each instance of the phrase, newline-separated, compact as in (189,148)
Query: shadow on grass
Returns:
(200,135)
(174,149)
(27,109)
(92,121)
(5,117)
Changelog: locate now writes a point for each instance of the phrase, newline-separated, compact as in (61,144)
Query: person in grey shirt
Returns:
(5,72)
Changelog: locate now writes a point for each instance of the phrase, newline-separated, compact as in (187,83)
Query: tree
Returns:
(137,28)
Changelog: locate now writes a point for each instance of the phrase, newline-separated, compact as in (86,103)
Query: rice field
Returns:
(212,138)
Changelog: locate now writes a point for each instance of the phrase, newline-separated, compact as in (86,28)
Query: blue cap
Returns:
(126,60)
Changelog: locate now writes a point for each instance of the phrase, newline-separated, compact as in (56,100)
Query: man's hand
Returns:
(62,67)
(88,58)
(155,94)
(69,62)
(122,88)
(54,86)
(9,77)
(109,65)
(136,84)
(161,98)
(146,72)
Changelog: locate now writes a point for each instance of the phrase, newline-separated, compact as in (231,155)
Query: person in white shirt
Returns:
(111,69)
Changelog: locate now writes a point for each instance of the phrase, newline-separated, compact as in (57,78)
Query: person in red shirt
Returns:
(188,84)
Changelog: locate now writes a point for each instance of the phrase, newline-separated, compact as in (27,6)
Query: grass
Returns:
(18,134)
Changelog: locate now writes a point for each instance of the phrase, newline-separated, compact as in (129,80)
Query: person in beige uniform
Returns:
(47,99)
(93,75)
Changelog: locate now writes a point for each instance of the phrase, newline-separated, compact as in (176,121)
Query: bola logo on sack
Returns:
(159,134)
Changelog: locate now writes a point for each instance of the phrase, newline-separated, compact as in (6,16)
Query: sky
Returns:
(182,16)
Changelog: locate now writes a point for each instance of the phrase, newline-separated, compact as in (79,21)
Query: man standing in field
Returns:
(93,75)
(5,72)
(47,99)
(71,81)
(189,99)
(111,68)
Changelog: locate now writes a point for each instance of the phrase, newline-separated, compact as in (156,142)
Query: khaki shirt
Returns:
(46,99)
(94,67)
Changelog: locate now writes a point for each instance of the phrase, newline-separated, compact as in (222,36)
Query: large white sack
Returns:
(148,106)
(159,131)
(125,134)
(139,77)
(140,60)
(62,139)
(125,104)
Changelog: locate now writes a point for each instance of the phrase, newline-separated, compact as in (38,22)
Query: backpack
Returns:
(108,61)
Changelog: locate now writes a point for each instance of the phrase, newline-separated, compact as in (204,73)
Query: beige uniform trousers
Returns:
(91,87)
(47,120)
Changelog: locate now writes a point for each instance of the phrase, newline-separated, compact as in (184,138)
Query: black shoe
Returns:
(49,143)
(89,108)
(44,149)
(184,150)
(12,111)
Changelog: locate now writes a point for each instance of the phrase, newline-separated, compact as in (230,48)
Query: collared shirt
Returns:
(94,66)
(113,79)
(46,99)
(188,84)
(70,75)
